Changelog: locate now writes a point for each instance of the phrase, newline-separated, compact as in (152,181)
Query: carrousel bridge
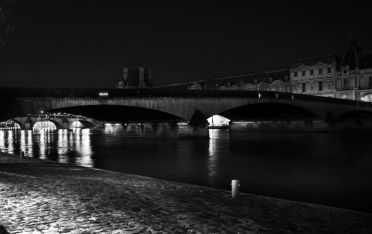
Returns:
(154,108)
(52,121)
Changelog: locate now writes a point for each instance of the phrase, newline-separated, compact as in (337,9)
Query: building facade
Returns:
(314,76)
(348,76)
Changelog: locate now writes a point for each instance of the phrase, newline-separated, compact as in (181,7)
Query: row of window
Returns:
(345,83)
(311,72)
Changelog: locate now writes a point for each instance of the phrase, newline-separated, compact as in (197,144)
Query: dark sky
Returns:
(66,43)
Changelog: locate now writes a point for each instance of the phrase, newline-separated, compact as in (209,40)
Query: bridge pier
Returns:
(164,130)
(27,126)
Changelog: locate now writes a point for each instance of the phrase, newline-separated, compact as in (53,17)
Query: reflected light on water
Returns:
(2,140)
(212,155)
(85,149)
(23,145)
(42,143)
(10,142)
(77,132)
(29,143)
(62,145)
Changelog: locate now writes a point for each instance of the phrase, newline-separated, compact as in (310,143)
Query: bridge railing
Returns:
(94,93)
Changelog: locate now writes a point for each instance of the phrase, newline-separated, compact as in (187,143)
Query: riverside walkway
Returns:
(43,197)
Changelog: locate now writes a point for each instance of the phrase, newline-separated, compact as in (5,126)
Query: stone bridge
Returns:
(193,106)
(61,122)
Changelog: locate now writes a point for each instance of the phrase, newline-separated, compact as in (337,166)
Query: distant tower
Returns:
(135,77)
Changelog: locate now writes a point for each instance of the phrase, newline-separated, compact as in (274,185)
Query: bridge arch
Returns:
(46,123)
(81,123)
(20,124)
(355,114)
(367,97)
(269,111)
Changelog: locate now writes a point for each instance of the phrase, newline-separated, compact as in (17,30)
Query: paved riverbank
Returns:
(43,197)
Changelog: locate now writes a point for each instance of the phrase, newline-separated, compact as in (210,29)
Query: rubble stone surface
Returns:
(44,197)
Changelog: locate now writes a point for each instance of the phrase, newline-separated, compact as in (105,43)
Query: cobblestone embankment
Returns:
(43,197)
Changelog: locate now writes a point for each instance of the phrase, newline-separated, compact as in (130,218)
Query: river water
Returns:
(331,169)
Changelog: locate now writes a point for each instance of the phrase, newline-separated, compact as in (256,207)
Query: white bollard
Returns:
(235,184)
(21,154)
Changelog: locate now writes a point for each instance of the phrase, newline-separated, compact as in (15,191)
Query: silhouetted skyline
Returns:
(86,43)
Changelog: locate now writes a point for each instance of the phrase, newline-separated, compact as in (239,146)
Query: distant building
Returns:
(139,77)
(269,81)
(346,76)
(315,76)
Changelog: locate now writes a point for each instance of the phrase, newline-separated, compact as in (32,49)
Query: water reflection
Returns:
(23,145)
(42,143)
(63,145)
(212,165)
(29,144)
(10,142)
(84,147)
(322,168)
(2,140)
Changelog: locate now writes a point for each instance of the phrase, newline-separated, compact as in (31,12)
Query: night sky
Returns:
(86,43)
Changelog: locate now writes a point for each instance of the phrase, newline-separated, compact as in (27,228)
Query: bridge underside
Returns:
(359,114)
(119,113)
(269,111)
